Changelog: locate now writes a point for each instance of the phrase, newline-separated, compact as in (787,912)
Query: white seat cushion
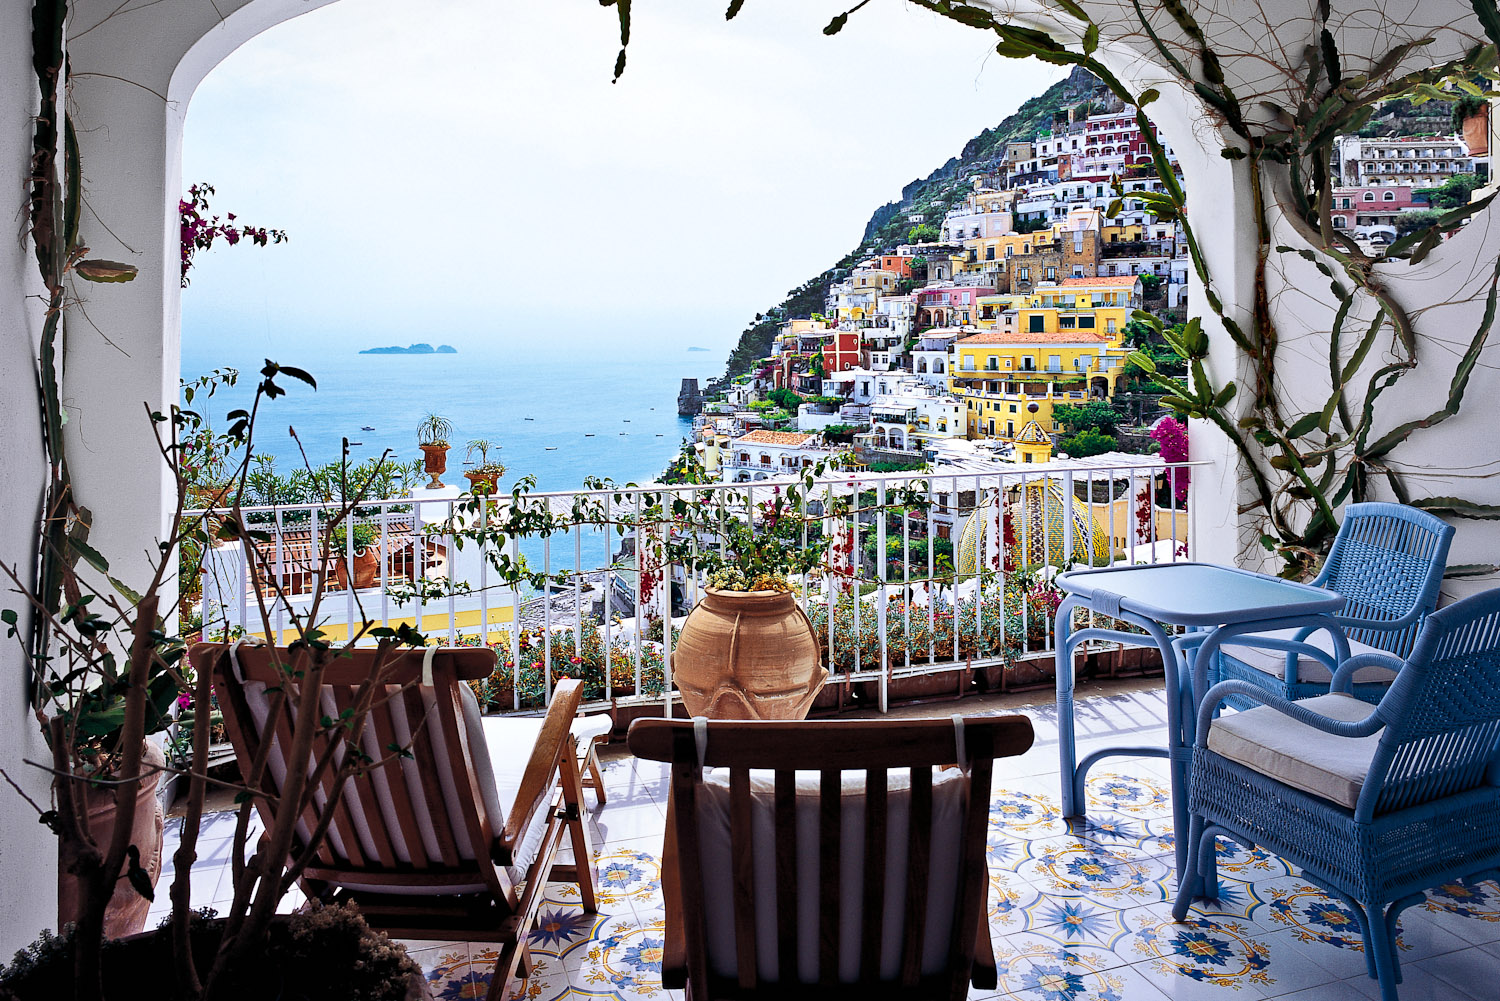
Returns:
(510,740)
(1299,755)
(1310,670)
(718,897)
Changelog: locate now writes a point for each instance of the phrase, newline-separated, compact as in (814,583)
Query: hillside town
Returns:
(999,332)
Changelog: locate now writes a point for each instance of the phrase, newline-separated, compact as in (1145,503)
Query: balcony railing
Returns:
(900,608)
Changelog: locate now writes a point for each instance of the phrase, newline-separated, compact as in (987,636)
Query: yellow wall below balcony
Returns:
(434,624)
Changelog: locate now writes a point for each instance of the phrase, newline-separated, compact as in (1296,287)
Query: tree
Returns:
(922,233)
(1088,442)
(1452,193)
(1151,286)
(1095,415)
(1410,222)
(785,398)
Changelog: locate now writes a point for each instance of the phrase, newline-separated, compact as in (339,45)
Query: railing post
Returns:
(1066,516)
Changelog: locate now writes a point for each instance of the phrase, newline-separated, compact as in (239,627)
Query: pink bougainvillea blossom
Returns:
(199,230)
(1171,435)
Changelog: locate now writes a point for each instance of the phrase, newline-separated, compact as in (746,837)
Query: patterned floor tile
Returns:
(1109,876)
(1219,953)
(1135,794)
(622,961)
(1033,974)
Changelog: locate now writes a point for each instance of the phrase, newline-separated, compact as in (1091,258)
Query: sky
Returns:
(464,171)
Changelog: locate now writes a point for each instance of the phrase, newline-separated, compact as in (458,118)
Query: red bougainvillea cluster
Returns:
(200,230)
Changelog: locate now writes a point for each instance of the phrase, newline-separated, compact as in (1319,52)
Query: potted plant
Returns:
(747,649)
(107,678)
(432,438)
(485,475)
(366,559)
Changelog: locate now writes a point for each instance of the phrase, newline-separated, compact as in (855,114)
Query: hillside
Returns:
(932,196)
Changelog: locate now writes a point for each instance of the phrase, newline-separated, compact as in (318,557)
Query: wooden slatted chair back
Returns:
(424,817)
(1442,714)
(842,856)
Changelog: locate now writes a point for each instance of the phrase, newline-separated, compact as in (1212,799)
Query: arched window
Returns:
(1389,196)
(937,366)
(1369,196)
(765,458)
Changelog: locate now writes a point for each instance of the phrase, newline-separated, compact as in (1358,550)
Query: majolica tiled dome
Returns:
(1037,510)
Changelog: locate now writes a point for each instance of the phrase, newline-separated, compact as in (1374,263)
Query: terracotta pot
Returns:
(434,464)
(127,910)
(366,569)
(748,655)
(481,483)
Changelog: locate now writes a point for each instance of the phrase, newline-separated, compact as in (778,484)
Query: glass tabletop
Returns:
(1199,594)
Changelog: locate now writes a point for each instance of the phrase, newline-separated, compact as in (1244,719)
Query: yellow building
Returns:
(1033,444)
(1062,343)
(1124,234)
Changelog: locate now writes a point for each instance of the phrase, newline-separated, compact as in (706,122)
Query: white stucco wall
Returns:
(124,356)
(28,854)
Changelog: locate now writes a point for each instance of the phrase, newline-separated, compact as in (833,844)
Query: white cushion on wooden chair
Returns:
(1309,669)
(718,889)
(1298,755)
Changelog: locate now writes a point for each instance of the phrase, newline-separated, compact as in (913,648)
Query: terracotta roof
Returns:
(794,438)
(1032,434)
(1025,337)
(1097,282)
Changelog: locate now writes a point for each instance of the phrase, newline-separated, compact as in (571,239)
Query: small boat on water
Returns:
(367,428)
(531,418)
(552,448)
(586,435)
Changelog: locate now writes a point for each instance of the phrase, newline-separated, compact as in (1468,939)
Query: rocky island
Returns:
(414,349)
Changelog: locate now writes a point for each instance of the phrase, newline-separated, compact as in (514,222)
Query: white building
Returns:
(1421,161)
(763,455)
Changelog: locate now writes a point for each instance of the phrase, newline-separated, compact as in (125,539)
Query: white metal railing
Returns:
(924,588)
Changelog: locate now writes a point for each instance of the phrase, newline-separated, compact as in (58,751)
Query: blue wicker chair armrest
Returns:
(1218,693)
(1413,616)
(1343,678)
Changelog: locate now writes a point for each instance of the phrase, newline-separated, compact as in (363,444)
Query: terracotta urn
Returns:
(434,464)
(127,909)
(748,655)
(366,569)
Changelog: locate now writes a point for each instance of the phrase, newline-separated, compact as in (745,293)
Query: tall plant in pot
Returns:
(432,437)
(485,475)
(111,674)
(748,650)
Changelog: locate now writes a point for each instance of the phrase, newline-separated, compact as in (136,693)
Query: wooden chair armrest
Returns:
(539,780)
(674,946)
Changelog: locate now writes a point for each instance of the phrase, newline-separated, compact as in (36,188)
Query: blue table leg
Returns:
(1067,754)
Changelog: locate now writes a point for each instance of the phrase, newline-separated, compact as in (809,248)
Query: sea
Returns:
(558,414)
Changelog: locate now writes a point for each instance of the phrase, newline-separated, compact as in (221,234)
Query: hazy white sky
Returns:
(463,171)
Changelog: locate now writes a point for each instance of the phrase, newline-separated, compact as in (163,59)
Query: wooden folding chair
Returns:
(456,840)
(787,877)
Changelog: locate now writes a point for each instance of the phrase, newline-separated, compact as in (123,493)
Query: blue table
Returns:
(1222,600)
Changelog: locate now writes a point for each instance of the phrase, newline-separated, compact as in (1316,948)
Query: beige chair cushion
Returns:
(718,888)
(509,741)
(1299,755)
(1309,669)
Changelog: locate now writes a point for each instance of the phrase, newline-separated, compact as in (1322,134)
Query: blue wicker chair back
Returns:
(1387,561)
(1442,714)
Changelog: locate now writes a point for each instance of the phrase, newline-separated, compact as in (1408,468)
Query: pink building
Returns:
(946,306)
(1361,209)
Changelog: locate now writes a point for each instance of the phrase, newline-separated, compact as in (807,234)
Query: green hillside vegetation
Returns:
(931,196)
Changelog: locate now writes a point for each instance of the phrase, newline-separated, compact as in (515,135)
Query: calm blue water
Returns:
(525,402)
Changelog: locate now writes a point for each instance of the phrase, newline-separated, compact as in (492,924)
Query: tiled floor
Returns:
(1078,911)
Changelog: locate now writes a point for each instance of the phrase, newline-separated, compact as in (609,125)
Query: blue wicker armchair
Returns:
(1387,562)
(1375,805)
